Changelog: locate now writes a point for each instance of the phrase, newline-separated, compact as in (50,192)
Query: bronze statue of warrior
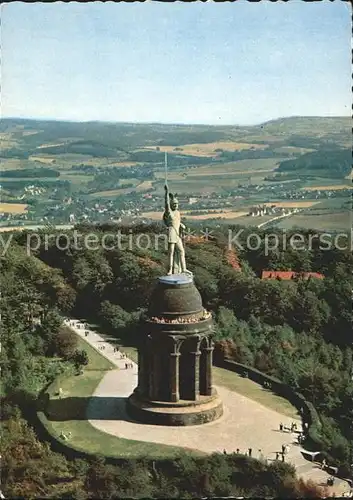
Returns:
(172,219)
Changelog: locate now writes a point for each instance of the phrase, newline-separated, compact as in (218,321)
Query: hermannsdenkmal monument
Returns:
(175,344)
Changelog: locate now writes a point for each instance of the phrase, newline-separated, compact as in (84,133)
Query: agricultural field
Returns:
(220,175)
(332,214)
(42,159)
(209,184)
(76,178)
(217,177)
(13,208)
(15,164)
(211,149)
(228,168)
(144,186)
(6,141)
(224,214)
(293,204)
(293,150)
(121,163)
(329,187)
(214,173)
(333,204)
(336,221)
(111,193)
(199,186)
(187,214)
(139,187)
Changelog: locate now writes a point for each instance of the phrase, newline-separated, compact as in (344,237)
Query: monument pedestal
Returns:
(175,358)
(182,413)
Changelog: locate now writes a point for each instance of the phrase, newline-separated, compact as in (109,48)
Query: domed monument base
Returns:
(175,358)
(206,409)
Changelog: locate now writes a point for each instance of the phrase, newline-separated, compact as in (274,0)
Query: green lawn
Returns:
(68,413)
(253,391)
(87,438)
(78,389)
(130,351)
(95,360)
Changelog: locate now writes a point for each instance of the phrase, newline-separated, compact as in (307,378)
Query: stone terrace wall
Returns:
(310,418)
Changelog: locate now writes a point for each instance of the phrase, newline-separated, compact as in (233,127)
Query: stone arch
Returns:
(203,365)
(152,371)
(205,382)
(189,368)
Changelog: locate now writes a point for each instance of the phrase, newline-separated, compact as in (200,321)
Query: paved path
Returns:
(104,345)
(245,423)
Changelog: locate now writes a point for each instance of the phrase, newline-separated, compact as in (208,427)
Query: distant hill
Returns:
(24,136)
(85,147)
(309,124)
(311,132)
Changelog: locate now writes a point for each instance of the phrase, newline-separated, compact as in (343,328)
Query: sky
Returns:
(212,63)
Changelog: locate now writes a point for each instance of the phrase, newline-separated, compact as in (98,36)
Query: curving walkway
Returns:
(245,423)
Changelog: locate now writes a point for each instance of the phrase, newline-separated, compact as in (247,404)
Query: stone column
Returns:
(143,371)
(195,375)
(150,376)
(140,370)
(174,376)
(208,382)
(155,379)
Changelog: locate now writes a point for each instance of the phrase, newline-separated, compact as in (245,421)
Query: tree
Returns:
(65,343)
(114,315)
(49,329)
(80,359)
(310,313)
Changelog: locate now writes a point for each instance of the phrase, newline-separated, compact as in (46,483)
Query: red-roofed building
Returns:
(289,275)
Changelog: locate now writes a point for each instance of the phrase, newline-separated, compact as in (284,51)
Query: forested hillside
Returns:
(336,162)
(298,331)
(27,135)
(36,349)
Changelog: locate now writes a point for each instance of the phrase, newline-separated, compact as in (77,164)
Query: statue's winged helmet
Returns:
(173,197)
(174,202)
